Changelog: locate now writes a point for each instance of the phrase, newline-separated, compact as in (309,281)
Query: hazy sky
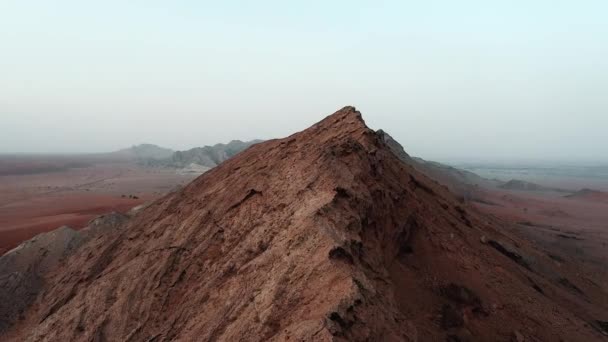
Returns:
(451,80)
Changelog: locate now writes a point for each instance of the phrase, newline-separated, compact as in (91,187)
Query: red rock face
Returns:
(324,235)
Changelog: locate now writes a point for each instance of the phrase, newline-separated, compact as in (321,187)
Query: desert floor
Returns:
(35,200)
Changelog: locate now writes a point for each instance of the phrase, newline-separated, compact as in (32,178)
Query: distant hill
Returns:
(589,194)
(516,184)
(144,152)
(208,156)
(520,185)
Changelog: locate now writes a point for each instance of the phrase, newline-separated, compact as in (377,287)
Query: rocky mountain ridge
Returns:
(325,235)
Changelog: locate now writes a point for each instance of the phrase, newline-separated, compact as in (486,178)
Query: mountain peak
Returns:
(346,116)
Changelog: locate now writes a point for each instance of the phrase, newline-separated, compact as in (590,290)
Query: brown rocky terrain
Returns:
(325,235)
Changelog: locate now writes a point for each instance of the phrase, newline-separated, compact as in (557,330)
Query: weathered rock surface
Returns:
(322,236)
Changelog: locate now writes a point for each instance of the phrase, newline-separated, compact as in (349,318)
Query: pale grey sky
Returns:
(451,80)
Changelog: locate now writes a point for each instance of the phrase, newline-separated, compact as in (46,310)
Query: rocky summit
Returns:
(325,235)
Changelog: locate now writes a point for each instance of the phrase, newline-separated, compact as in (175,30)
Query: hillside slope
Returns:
(461,182)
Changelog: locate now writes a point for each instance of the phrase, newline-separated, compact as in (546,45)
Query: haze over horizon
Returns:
(465,80)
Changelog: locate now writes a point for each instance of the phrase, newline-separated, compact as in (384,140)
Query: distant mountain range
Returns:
(209,156)
(198,159)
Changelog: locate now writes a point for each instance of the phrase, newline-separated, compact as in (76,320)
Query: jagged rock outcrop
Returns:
(322,236)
